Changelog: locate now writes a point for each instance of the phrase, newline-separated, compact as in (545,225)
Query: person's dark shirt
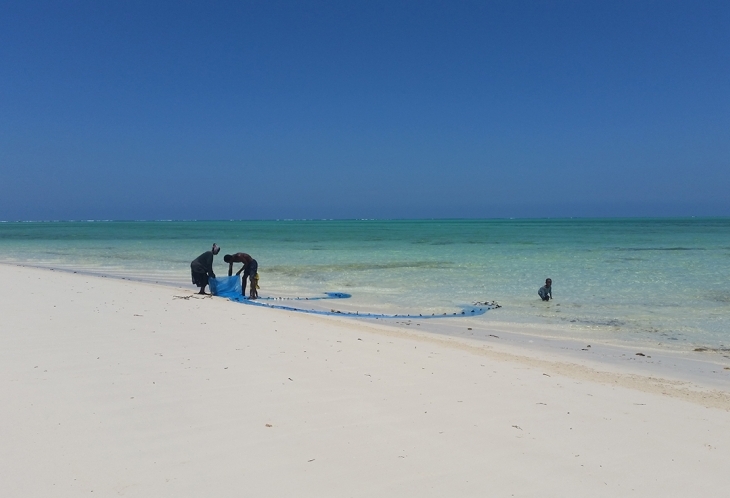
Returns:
(545,291)
(204,263)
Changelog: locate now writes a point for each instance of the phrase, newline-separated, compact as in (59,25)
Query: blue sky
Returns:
(219,110)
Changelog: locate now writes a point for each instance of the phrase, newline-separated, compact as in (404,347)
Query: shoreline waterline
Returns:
(659,281)
(692,370)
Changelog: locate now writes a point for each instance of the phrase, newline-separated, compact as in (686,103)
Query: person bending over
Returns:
(202,268)
(546,291)
(250,268)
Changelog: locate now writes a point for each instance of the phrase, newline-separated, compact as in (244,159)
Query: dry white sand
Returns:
(118,388)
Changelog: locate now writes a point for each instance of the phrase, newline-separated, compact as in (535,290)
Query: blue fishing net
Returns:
(229,287)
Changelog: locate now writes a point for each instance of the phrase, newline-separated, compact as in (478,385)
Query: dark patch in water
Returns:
(603,323)
(301,270)
(622,260)
(702,349)
(722,297)
(661,249)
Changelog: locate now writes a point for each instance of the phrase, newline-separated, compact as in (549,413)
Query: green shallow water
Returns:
(660,280)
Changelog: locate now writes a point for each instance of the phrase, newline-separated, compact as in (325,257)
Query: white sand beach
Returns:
(119,388)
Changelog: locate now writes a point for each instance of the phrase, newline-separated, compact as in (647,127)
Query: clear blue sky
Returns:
(218,110)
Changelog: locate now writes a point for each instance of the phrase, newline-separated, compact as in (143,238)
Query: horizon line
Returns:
(528,218)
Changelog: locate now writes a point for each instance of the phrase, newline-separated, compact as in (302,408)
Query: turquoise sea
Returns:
(658,280)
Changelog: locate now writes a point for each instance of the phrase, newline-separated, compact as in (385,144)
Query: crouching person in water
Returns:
(202,267)
(546,291)
(250,268)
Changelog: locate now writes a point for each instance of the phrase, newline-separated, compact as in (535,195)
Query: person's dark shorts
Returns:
(252,269)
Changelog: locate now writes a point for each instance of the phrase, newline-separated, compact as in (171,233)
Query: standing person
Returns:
(546,291)
(250,268)
(202,267)
(254,292)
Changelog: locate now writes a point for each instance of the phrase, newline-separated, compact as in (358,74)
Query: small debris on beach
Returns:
(269,425)
(517,427)
(640,354)
(492,335)
(487,303)
(546,375)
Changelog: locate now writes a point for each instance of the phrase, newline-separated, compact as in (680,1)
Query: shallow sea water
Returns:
(659,280)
